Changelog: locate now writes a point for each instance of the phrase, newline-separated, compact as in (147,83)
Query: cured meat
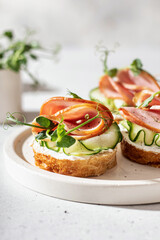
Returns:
(125,85)
(143,80)
(106,87)
(140,97)
(75,112)
(148,118)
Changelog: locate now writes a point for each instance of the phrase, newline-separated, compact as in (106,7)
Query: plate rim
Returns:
(13,156)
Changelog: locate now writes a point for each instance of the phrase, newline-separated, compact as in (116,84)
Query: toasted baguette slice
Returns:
(140,154)
(94,165)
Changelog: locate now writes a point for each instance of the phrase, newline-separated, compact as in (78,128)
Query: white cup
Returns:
(10,93)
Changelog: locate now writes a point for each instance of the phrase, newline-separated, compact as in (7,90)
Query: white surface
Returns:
(25,214)
(141,183)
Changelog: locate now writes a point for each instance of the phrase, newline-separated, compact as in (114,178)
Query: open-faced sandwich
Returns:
(75,137)
(141,137)
(118,87)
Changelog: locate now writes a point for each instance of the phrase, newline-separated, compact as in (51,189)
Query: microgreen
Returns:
(15,54)
(83,124)
(45,122)
(66,141)
(54,136)
(60,135)
(74,95)
(41,135)
(104,53)
(113,72)
(11,117)
(136,66)
(148,100)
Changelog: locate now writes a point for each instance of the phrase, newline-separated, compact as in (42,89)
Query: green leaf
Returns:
(22,60)
(33,56)
(136,66)
(113,72)
(54,136)
(1,55)
(61,131)
(137,63)
(1,66)
(11,117)
(44,122)
(13,65)
(27,47)
(148,100)
(41,135)
(74,95)
(8,34)
(66,142)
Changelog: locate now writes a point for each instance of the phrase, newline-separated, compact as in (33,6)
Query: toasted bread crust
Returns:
(94,166)
(139,155)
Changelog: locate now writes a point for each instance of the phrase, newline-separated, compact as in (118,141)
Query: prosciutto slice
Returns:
(140,97)
(148,118)
(125,85)
(75,112)
(144,80)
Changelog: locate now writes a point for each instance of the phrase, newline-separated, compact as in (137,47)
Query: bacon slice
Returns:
(76,111)
(125,85)
(148,118)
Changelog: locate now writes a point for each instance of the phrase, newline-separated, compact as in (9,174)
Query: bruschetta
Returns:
(141,134)
(82,139)
(119,89)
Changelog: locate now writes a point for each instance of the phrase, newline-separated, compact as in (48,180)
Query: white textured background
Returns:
(84,22)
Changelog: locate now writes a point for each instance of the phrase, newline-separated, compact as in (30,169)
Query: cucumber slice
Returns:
(125,124)
(141,135)
(105,141)
(112,104)
(90,146)
(119,103)
(78,149)
(52,146)
(97,96)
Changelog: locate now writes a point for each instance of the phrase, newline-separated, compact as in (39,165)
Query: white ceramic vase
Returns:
(10,93)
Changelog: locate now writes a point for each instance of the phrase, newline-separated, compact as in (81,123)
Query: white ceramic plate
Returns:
(127,183)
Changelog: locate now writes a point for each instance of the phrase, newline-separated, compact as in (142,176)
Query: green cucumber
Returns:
(118,103)
(97,96)
(77,149)
(140,134)
(124,124)
(90,146)
(52,146)
(105,141)
(112,104)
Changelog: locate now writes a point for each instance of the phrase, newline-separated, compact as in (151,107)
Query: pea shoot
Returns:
(53,130)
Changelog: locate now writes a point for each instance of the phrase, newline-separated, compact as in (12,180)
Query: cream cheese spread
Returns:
(154,148)
(61,155)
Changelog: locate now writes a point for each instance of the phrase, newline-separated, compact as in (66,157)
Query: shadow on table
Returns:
(142,207)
